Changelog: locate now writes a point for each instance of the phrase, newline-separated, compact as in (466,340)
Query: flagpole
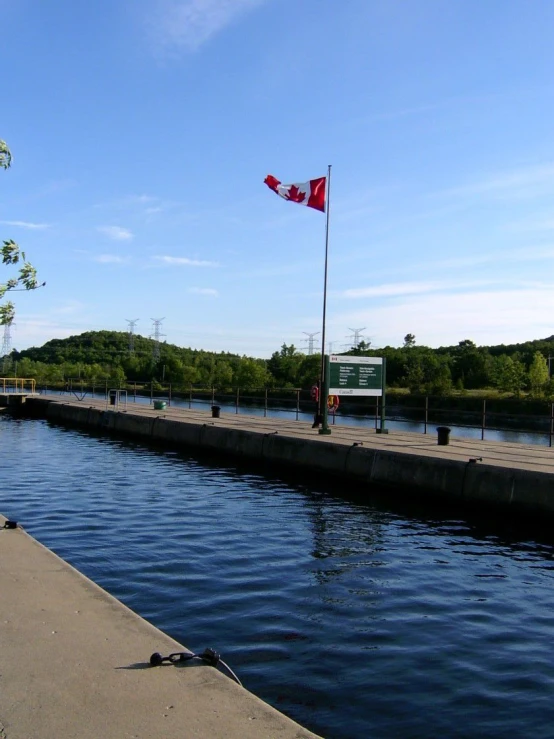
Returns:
(322,383)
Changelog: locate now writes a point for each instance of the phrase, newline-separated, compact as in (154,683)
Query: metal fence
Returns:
(18,385)
(424,412)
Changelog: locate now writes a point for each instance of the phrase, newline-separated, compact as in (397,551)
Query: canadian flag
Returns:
(310,193)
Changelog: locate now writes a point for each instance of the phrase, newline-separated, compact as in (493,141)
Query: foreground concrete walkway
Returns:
(74,665)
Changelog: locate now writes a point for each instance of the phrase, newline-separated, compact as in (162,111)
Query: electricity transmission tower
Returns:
(7,340)
(156,335)
(357,336)
(310,341)
(131,334)
(6,347)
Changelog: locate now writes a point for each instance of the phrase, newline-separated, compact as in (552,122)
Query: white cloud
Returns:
(186,262)
(128,201)
(410,288)
(68,308)
(31,331)
(109,259)
(509,315)
(203,291)
(529,253)
(116,233)
(187,24)
(523,182)
(26,224)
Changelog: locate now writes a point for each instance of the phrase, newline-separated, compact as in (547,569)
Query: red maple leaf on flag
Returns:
(296,195)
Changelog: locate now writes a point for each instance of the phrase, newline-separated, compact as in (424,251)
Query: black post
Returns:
(323,403)
(382,429)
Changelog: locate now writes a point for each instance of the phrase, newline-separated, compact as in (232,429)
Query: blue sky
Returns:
(142,130)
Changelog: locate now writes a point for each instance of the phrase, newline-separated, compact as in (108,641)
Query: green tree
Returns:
(308,371)
(415,374)
(508,374)
(117,377)
(409,341)
(26,277)
(538,375)
(363,348)
(471,364)
(223,376)
(189,376)
(251,374)
(427,372)
(284,366)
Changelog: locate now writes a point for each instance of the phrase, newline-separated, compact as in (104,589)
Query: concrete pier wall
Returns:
(511,477)
(75,663)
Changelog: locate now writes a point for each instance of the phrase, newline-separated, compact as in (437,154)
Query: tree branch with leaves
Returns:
(26,278)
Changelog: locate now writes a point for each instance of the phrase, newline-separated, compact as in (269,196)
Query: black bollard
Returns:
(443,438)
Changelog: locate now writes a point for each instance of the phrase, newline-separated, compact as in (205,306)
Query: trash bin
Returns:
(160,405)
(216,410)
(113,396)
(443,435)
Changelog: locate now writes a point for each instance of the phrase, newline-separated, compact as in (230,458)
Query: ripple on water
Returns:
(356,620)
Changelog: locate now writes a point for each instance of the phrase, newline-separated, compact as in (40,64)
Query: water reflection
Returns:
(379,618)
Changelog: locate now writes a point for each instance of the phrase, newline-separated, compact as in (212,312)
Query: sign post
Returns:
(323,400)
(382,429)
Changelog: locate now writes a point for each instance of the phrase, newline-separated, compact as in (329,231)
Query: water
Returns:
(377,619)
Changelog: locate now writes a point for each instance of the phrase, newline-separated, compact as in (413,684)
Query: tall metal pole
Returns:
(322,398)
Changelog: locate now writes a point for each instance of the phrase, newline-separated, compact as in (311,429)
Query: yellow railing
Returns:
(21,385)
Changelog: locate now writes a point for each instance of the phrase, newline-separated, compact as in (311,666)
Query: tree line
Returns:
(106,356)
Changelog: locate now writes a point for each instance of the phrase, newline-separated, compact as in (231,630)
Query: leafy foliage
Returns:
(5,155)
(11,254)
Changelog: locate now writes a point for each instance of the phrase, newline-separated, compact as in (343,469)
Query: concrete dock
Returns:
(515,478)
(75,665)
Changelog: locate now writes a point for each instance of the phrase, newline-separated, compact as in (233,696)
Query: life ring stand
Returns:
(333,403)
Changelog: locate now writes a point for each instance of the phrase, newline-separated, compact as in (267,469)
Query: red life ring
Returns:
(314,393)
(333,403)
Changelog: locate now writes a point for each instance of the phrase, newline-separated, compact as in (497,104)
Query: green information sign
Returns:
(355,375)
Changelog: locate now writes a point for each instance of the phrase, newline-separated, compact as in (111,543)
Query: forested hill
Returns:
(104,356)
(117,356)
(108,347)
(111,356)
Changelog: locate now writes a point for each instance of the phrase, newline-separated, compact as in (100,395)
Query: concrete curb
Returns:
(75,664)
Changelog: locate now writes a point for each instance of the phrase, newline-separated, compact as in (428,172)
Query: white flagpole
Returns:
(322,383)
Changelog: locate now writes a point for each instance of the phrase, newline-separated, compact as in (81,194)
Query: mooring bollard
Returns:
(443,438)
(216,409)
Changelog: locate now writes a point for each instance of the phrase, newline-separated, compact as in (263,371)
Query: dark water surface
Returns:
(357,620)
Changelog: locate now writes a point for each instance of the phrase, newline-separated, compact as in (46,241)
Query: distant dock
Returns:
(14,391)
